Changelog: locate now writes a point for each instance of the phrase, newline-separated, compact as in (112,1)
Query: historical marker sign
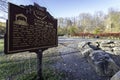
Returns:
(29,28)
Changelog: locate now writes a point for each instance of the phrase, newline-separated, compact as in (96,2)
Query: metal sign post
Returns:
(39,64)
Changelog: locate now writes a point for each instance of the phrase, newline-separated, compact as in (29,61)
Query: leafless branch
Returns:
(2,18)
(3,5)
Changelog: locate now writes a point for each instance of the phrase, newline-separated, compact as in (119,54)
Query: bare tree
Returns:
(3,9)
(3,6)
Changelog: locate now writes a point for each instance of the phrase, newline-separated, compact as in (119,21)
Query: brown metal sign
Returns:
(29,28)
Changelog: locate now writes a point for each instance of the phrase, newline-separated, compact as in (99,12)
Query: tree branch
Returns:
(2,18)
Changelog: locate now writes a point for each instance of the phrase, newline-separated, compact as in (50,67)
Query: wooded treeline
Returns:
(3,12)
(84,23)
(88,23)
(2,28)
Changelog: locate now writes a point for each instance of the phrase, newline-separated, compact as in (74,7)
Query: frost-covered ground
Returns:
(71,62)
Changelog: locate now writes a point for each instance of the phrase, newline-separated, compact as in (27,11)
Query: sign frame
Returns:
(9,37)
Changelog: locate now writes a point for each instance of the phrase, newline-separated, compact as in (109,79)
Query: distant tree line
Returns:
(4,11)
(93,24)
(2,28)
(100,35)
(84,23)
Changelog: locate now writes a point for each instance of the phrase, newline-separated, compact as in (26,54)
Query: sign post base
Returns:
(39,64)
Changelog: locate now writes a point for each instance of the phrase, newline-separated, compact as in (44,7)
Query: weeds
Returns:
(22,66)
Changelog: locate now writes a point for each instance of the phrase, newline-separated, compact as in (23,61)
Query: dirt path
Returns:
(74,65)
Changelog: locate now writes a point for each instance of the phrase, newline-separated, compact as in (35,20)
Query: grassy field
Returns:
(23,66)
(17,67)
(1,45)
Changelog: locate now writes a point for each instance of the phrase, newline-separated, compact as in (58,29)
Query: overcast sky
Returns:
(71,8)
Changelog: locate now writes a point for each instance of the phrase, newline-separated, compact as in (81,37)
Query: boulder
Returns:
(116,50)
(81,44)
(107,45)
(86,52)
(85,48)
(116,76)
(111,47)
(101,58)
(103,63)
